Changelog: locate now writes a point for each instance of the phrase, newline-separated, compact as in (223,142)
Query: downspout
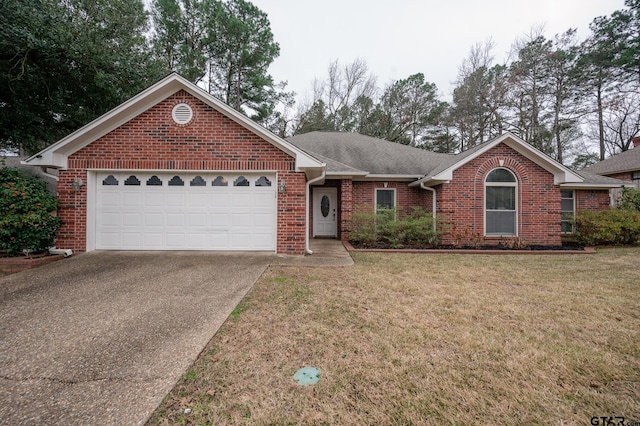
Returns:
(433,206)
(306,232)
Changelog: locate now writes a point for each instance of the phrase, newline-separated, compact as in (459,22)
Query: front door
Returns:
(325,212)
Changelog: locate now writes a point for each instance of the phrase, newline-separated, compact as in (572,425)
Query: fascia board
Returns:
(392,176)
(313,172)
(429,181)
(303,160)
(387,177)
(56,155)
(561,174)
(345,175)
(578,185)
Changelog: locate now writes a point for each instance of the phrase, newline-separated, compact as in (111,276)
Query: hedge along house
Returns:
(174,168)
(500,191)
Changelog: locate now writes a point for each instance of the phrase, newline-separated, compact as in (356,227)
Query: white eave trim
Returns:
(56,155)
(345,175)
(577,185)
(387,177)
(561,174)
(428,181)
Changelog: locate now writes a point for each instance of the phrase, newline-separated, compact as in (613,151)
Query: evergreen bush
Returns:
(26,213)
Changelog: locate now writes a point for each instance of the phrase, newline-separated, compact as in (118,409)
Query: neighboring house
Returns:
(174,168)
(624,166)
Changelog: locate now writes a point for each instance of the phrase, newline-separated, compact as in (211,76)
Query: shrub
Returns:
(26,207)
(394,228)
(363,229)
(613,226)
(630,199)
(466,236)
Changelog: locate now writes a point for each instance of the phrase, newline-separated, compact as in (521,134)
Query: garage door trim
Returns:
(93,185)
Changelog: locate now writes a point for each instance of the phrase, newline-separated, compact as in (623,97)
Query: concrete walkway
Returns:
(326,252)
(102,337)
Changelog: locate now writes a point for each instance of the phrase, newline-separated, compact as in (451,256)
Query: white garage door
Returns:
(185,211)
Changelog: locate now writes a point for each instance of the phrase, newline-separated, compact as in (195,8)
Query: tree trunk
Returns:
(600,121)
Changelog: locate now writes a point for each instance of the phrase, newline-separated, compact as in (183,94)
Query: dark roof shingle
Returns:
(623,162)
(368,154)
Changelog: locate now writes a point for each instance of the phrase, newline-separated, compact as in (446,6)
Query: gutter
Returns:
(49,175)
(307,249)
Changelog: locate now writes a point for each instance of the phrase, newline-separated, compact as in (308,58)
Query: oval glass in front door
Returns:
(324,206)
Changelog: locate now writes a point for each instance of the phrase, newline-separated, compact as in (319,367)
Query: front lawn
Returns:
(427,339)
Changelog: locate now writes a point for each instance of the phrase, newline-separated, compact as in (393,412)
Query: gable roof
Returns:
(367,155)
(627,161)
(444,172)
(56,155)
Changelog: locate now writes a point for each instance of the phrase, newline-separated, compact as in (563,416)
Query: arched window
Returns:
(241,181)
(501,192)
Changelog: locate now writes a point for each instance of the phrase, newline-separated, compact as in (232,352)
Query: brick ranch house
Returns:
(174,168)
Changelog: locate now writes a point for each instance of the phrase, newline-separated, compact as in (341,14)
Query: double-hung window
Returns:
(501,190)
(568,210)
(385,200)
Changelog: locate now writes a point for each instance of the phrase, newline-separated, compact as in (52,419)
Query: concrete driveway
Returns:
(102,337)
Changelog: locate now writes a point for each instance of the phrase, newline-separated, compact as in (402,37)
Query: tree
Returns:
(410,106)
(63,63)
(181,28)
(563,86)
(621,120)
(228,46)
(240,52)
(479,98)
(315,118)
(339,93)
(529,90)
(610,62)
(627,32)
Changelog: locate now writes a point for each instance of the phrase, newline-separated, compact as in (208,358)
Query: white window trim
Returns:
(573,192)
(375,198)
(517,202)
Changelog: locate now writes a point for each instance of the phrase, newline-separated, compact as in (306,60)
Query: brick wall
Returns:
(462,201)
(363,199)
(211,141)
(622,176)
(593,200)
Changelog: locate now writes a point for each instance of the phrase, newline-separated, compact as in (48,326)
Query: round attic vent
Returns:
(182,113)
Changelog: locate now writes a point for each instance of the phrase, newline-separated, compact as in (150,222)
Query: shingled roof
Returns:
(627,161)
(353,154)
(370,155)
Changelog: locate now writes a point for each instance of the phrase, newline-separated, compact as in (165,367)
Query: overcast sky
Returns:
(403,37)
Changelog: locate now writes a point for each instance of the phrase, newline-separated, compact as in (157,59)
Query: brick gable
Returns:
(462,200)
(211,141)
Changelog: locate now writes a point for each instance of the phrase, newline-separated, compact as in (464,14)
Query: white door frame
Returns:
(332,193)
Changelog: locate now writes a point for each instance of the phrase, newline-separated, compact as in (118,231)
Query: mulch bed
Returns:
(384,247)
